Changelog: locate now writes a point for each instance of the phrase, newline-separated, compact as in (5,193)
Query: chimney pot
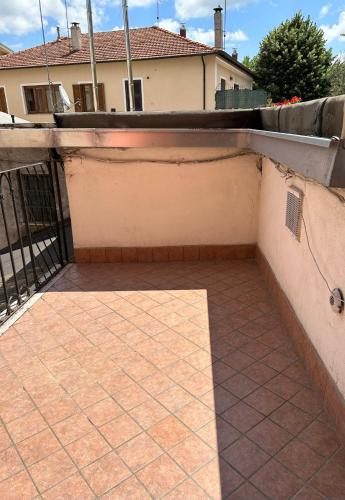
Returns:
(75,37)
(58,32)
(218,27)
(183,31)
(234,54)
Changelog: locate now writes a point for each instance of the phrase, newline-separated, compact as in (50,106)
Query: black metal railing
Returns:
(35,235)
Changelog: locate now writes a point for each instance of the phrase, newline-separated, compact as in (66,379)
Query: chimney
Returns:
(234,54)
(218,27)
(75,37)
(183,31)
(58,32)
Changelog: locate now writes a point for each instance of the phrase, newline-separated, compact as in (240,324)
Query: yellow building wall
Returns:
(172,84)
(231,75)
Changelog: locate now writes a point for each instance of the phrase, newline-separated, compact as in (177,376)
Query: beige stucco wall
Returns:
(232,75)
(156,204)
(172,84)
(293,264)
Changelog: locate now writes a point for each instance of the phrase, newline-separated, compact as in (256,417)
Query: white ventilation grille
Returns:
(293,216)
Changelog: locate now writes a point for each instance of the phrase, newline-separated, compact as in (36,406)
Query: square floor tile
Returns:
(188,489)
(217,478)
(240,385)
(242,416)
(290,417)
(102,412)
(300,459)
(72,428)
(72,487)
(174,398)
(161,476)
(139,451)
(20,482)
(283,386)
(168,432)
(105,473)
(191,454)
(218,434)
(10,463)
(131,488)
(149,413)
(321,438)
(246,492)
(269,436)
(195,415)
(52,470)
(26,426)
(245,456)
(88,448)
(120,430)
(275,481)
(37,447)
(264,400)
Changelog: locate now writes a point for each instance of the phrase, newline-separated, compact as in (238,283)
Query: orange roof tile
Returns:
(146,43)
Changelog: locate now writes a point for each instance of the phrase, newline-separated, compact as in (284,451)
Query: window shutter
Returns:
(77,98)
(3,104)
(101,97)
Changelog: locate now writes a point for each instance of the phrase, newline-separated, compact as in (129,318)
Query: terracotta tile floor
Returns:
(176,380)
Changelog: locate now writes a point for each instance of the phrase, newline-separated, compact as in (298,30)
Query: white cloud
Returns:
(200,34)
(187,9)
(19,17)
(325,10)
(237,36)
(334,31)
(170,25)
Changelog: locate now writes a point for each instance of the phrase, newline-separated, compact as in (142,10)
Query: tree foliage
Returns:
(249,62)
(293,61)
(337,77)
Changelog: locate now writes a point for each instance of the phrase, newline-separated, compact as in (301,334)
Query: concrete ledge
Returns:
(334,402)
(164,254)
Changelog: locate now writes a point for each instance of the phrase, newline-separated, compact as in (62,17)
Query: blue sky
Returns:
(248,21)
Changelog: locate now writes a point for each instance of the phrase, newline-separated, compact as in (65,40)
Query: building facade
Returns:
(171,73)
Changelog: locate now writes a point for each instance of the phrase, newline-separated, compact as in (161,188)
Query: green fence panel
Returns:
(240,99)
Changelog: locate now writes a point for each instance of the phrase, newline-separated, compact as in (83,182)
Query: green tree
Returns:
(249,62)
(337,77)
(293,60)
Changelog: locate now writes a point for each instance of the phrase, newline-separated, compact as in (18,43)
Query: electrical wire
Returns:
(313,256)
(224,26)
(161,161)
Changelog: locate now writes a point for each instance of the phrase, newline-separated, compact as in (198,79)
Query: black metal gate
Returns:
(35,235)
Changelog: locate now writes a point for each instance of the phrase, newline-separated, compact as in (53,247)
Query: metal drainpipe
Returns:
(203,83)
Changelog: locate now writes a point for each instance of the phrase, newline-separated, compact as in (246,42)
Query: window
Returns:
(236,86)
(42,99)
(222,84)
(138,95)
(3,103)
(83,97)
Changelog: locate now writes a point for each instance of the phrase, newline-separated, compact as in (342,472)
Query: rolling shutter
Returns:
(77,98)
(101,97)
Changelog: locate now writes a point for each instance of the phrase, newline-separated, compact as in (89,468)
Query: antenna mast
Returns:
(92,57)
(129,57)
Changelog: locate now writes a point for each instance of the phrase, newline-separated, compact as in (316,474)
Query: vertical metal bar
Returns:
(7,235)
(62,222)
(18,231)
(26,221)
(92,57)
(129,57)
(3,279)
(49,167)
